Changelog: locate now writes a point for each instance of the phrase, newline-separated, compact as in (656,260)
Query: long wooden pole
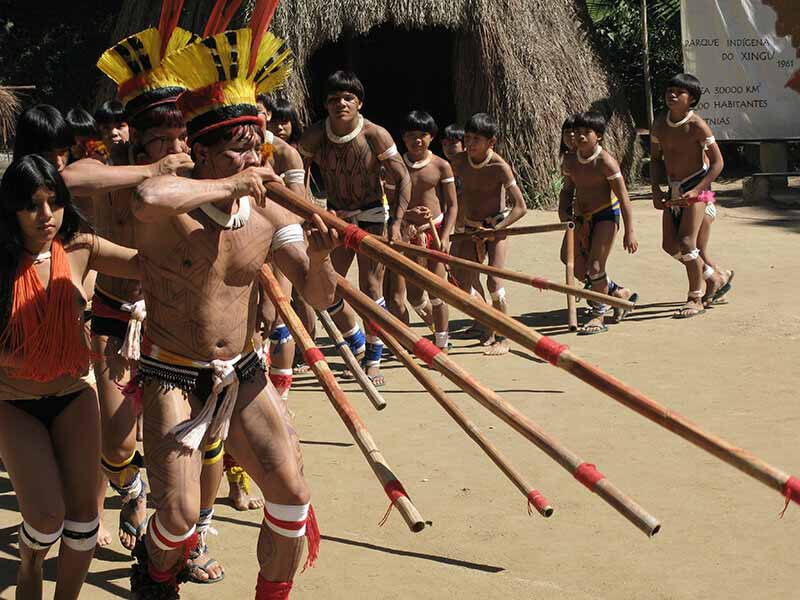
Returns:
(512,231)
(380,320)
(532,495)
(350,360)
(314,358)
(544,347)
(572,311)
(537,282)
(648,88)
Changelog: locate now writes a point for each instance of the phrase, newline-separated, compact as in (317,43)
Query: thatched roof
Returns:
(528,62)
(9,109)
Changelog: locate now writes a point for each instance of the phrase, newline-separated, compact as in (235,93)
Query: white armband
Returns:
(510,184)
(388,153)
(448,180)
(304,152)
(269,138)
(390,186)
(290,234)
(294,176)
(709,141)
(616,175)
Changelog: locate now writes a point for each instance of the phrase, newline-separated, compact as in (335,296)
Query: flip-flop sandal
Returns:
(622,313)
(593,329)
(685,314)
(724,289)
(204,568)
(377,380)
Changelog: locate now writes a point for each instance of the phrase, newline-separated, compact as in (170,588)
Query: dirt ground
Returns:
(731,370)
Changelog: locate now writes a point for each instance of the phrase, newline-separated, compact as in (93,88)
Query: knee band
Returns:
(36,540)
(165,540)
(81,537)
(280,335)
(288,520)
(498,295)
(708,272)
(213,452)
(336,307)
(122,475)
(690,256)
(355,339)
(599,277)
(281,379)
(436,301)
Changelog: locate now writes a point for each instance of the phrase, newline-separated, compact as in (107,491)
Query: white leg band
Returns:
(708,272)
(690,256)
(36,540)
(288,520)
(81,537)
(498,295)
(162,538)
(441,338)
(437,302)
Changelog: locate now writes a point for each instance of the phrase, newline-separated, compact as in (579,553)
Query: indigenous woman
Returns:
(49,419)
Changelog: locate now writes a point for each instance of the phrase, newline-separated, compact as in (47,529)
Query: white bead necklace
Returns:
(595,154)
(482,164)
(225,220)
(683,121)
(343,139)
(419,164)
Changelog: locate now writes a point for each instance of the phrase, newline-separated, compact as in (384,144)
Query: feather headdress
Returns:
(135,63)
(223,72)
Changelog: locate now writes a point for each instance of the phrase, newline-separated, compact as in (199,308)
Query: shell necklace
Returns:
(41,257)
(683,121)
(595,154)
(336,139)
(482,164)
(419,164)
(225,220)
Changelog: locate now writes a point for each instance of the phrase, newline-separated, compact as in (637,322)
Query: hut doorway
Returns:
(401,70)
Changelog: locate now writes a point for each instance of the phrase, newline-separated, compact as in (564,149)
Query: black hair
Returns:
(569,123)
(20,181)
(690,83)
(419,120)
(344,81)
(283,110)
(591,120)
(161,115)
(81,123)
(41,129)
(482,124)
(454,131)
(267,100)
(109,113)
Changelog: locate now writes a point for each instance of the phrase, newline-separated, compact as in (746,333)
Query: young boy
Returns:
(681,141)
(432,186)
(112,124)
(452,141)
(484,177)
(600,198)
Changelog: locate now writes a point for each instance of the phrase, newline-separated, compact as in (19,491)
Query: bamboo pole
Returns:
(350,360)
(512,231)
(437,241)
(546,348)
(381,320)
(572,312)
(537,282)
(533,496)
(391,485)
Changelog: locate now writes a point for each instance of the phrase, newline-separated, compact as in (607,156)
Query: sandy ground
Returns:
(732,370)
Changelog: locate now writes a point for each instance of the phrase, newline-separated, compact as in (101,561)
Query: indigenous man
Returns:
(486,179)
(681,142)
(432,185)
(202,243)
(350,151)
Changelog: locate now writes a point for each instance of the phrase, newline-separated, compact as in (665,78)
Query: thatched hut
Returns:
(9,109)
(529,62)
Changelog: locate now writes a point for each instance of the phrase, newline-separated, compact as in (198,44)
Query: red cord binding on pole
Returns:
(353,235)
(548,349)
(541,283)
(425,350)
(588,475)
(791,490)
(394,489)
(313,355)
(536,499)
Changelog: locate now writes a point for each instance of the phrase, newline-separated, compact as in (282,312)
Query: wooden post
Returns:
(512,231)
(533,496)
(572,312)
(648,87)
(391,485)
(544,347)
(382,321)
(350,360)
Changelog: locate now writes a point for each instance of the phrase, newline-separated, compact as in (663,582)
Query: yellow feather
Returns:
(180,38)
(280,68)
(193,65)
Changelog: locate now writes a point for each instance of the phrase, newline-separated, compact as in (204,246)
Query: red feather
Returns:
(259,23)
(170,13)
(221,16)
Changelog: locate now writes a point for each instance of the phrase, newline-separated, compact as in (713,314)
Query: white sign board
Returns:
(745,56)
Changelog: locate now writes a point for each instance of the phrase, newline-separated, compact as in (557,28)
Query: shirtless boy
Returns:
(486,179)
(432,185)
(203,241)
(685,151)
(593,176)
(350,151)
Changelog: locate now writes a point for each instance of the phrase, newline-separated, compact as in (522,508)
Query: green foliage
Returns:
(545,196)
(619,34)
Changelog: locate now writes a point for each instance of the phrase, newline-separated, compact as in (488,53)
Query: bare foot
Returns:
(103,535)
(203,568)
(487,338)
(239,495)
(375,375)
(498,348)
(300,368)
(692,308)
(133,517)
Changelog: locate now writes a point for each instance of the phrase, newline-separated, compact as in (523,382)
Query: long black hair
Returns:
(41,128)
(21,180)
